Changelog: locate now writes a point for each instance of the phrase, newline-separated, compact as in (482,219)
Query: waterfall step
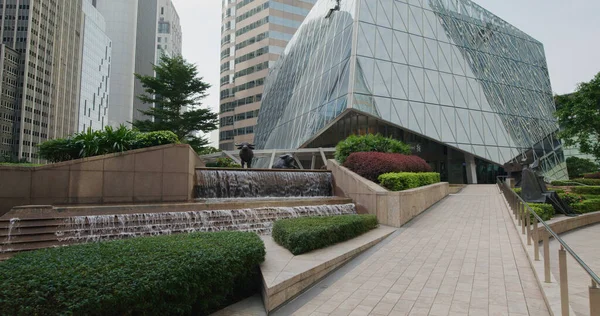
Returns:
(285,275)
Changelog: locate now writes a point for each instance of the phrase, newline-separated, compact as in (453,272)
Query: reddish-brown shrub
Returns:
(595,175)
(371,165)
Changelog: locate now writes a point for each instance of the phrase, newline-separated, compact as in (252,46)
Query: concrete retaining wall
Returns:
(563,224)
(392,208)
(156,174)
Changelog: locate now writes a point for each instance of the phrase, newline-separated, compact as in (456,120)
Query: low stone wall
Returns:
(155,174)
(563,224)
(392,208)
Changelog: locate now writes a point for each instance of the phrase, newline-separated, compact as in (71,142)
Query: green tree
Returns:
(175,87)
(578,115)
(208,150)
(578,166)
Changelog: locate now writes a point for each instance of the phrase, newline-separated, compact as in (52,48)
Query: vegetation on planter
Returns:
(300,235)
(571,198)
(399,181)
(208,150)
(369,143)
(587,206)
(577,167)
(595,190)
(371,165)
(544,211)
(109,140)
(184,274)
(565,183)
(224,162)
(176,93)
(587,181)
(517,190)
(595,175)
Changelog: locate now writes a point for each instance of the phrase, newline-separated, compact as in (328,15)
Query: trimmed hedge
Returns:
(571,198)
(517,190)
(370,165)
(369,143)
(399,181)
(224,162)
(564,183)
(182,274)
(300,235)
(151,139)
(587,206)
(545,211)
(595,175)
(595,190)
(587,181)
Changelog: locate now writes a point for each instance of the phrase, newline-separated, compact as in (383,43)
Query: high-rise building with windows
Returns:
(41,54)
(253,35)
(95,70)
(159,32)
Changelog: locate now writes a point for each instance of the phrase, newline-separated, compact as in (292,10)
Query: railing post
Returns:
(564,282)
(528,221)
(522,206)
(518,209)
(546,243)
(536,239)
(594,299)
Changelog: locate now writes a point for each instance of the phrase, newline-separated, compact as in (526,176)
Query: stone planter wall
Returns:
(155,174)
(392,208)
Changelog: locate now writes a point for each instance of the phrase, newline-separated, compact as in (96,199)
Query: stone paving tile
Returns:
(462,257)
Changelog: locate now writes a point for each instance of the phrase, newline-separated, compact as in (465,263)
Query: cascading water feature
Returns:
(259,220)
(5,246)
(258,184)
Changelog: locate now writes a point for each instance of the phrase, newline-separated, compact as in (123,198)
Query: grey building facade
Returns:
(470,92)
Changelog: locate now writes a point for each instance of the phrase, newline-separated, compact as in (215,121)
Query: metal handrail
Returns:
(585,267)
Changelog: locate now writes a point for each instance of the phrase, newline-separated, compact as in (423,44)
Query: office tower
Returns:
(95,70)
(159,32)
(42,42)
(121,27)
(469,92)
(253,35)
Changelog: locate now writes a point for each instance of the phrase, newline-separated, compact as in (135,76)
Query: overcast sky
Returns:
(569,30)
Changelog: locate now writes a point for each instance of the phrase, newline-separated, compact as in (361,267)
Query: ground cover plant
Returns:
(399,181)
(370,165)
(300,235)
(184,274)
(369,143)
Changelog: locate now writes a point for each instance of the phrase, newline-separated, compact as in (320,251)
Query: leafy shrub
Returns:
(587,181)
(558,191)
(544,211)
(225,162)
(564,183)
(595,175)
(517,191)
(110,140)
(158,138)
(371,165)
(165,275)
(595,190)
(587,206)
(577,167)
(398,181)
(571,198)
(300,235)
(369,143)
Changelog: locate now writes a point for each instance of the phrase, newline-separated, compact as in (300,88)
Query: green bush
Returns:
(367,143)
(517,190)
(109,140)
(571,198)
(300,235)
(545,211)
(577,167)
(587,181)
(180,274)
(558,191)
(587,206)
(564,183)
(398,181)
(595,190)
(225,162)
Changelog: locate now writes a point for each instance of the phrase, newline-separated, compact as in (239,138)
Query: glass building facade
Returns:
(470,92)
(95,71)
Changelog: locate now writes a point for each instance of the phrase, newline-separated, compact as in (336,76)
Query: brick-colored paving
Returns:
(462,257)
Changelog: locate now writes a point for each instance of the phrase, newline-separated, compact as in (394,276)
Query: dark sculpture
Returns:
(246,153)
(285,162)
(534,190)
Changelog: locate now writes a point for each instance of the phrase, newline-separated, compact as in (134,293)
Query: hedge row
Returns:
(398,181)
(595,175)
(595,190)
(224,162)
(107,141)
(587,181)
(587,206)
(545,211)
(565,183)
(371,165)
(571,198)
(369,143)
(300,235)
(185,274)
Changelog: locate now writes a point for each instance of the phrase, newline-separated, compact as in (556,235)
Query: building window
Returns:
(158,46)
(162,10)
(159,39)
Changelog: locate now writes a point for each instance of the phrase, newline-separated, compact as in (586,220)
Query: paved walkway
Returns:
(585,243)
(462,257)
